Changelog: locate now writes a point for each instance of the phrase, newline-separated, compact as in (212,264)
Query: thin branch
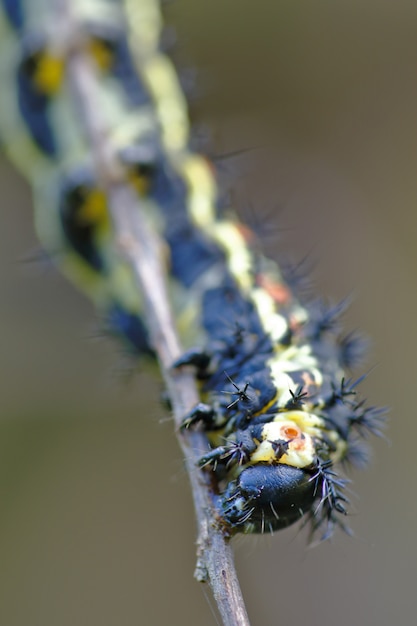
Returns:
(139,247)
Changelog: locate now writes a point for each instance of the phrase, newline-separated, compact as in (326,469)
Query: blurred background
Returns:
(96,523)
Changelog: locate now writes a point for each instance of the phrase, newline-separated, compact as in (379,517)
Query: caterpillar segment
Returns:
(47,141)
(279,412)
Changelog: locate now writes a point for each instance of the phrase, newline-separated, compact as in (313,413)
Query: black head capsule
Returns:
(267,498)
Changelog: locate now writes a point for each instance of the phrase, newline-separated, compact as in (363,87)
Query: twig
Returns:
(140,249)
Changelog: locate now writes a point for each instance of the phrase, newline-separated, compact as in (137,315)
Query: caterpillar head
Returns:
(270,497)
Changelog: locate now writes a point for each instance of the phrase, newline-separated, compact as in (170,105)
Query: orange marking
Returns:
(297,445)
(245,232)
(278,292)
(291,432)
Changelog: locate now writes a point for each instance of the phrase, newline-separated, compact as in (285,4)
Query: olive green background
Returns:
(96,524)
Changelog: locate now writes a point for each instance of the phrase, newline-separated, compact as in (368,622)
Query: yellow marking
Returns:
(294,358)
(101,53)
(341,446)
(274,323)
(94,209)
(283,383)
(145,23)
(140,182)
(169,101)
(203,189)
(48,73)
(267,406)
(301,450)
(308,422)
(238,256)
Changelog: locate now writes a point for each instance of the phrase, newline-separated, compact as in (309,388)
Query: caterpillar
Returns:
(278,407)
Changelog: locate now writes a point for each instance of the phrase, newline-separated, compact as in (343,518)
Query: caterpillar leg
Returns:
(236,452)
(202,413)
(196,357)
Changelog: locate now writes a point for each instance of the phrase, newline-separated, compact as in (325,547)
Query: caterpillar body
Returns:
(276,405)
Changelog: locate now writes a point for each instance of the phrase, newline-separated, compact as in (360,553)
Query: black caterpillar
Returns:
(278,407)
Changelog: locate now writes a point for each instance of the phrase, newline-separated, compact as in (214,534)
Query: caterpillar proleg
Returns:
(277,403)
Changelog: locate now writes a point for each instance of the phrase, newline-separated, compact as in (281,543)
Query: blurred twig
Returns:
(139,248)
